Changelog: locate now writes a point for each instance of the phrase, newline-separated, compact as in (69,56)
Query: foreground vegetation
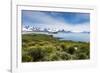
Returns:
(41,47)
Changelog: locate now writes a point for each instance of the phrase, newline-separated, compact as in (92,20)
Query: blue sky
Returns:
(69,21)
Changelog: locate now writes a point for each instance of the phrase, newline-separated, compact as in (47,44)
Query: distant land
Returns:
(37,29)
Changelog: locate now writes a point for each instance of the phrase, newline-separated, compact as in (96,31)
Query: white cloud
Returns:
(48,21)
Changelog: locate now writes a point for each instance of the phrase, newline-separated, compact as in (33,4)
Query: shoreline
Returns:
(46,33)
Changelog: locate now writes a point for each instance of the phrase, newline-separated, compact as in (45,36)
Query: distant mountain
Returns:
(37,29)
(85,32)
(30,28)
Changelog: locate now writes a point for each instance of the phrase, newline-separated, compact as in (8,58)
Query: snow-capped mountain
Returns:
(32,28)
(38,29)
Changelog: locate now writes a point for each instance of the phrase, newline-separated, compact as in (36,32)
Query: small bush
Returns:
(54,57)
(71,50)
(82,56)
(37,54)
(65,56)
(26,58)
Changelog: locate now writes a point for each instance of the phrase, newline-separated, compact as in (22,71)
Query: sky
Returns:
(69,21)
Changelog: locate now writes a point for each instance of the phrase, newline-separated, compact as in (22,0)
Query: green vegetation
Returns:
(41,47)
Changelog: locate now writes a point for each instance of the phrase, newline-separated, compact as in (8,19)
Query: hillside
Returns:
(42,47)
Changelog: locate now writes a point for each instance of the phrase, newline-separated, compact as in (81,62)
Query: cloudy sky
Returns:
(69,21)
